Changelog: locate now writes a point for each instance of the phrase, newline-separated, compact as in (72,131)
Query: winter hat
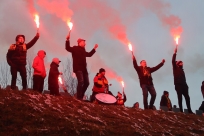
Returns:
(101,70)
(41,53)
(56,60)
(79,40)
(119,93)
(20,36)
(165,92)
(178,62)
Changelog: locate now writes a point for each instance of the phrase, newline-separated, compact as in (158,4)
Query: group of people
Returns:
(16,58)
(146,83)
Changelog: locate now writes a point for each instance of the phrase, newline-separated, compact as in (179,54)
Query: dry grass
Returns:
(31,113)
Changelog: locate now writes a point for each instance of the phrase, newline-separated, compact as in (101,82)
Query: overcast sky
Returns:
(112,24)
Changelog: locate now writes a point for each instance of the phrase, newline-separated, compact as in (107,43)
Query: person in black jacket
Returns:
(181,86)
(54,73)
(165,101)
(202,88)
(79,55)
(145,78)
(202,107)
(16,58)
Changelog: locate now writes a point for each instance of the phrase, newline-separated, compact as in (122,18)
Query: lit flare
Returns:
(123,84)
(60,80)
(37,20)
(130,46)
(70,25)
(177,39)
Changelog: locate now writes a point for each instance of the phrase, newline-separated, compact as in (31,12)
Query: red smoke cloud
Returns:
(57,7)
(95,15)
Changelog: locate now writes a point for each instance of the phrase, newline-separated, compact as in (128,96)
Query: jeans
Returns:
(38,83)
(151,90)
(23,75)
(83,83)
(183,90)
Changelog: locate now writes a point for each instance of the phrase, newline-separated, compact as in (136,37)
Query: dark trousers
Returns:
(38,83)
(151,90)
(83,83)
(54,91)
(93,96)
(22,71)
(183,90)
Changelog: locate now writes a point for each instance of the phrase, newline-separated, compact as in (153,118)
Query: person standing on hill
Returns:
(79,55)
(16,58)
(39,71)
(145,79)
(181,86)
(54,73)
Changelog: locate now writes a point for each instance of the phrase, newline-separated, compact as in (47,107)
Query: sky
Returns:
(148,25)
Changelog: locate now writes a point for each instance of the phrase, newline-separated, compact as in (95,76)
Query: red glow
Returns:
(130,46)
(37,20)
(176,32)
(70,24)
(60,80)
(122,84)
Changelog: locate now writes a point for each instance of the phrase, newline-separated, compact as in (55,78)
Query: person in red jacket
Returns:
(39,71)
(100,84)
(145,79)
(16,58)
(79,55)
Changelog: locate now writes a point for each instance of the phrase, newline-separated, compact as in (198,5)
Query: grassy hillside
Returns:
(31,113)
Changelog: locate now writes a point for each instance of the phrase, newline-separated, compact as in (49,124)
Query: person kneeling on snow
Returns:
(120,100)
(54,73)
(100,84)
(165,101)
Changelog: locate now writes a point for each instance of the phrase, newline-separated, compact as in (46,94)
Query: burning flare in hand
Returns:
(123,84)
(130,46)
(70,24)
(177,39)
(60,80)
(37,20)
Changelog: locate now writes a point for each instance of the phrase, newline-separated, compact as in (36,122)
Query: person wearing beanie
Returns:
(39,71)
(100,84)
(54,73)
(181,86)
(165,101)
(146,83)
(79,55)
(16,58)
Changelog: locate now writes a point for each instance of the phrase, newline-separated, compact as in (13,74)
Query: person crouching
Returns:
(100,84)
(120,100)
(54,73)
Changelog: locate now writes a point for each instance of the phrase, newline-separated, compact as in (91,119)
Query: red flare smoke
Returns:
(176,32)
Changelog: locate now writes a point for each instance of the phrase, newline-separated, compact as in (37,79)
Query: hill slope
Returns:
(31,113)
